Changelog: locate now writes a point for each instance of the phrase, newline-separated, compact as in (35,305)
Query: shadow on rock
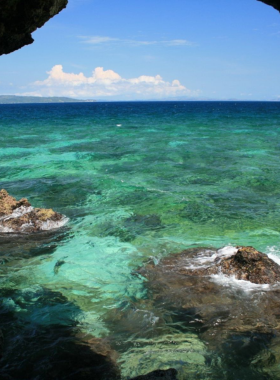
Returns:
(169,374)
(41,340)
(22,246)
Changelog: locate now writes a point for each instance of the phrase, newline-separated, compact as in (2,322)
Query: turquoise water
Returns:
(137,180)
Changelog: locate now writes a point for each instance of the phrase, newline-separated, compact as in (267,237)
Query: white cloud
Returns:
(108,84)
(179,43)
(97,40)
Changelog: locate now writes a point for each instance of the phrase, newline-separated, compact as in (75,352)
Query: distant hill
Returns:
(14,99)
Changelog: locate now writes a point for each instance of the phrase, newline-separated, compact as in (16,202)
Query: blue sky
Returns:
(179,49)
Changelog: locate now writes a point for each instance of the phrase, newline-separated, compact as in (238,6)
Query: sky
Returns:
(151,50)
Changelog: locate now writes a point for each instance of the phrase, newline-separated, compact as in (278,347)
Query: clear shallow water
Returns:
(137,180)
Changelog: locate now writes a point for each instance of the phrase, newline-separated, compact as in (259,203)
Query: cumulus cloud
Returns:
(108,84)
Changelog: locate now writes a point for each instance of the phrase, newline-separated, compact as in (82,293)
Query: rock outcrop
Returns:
(200,286)
(20,18)
(251,265)
(246,264)
(243,263)
(20,216)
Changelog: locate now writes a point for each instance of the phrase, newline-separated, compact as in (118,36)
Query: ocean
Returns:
(138,181)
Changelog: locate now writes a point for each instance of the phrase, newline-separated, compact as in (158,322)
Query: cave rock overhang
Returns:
(20,18)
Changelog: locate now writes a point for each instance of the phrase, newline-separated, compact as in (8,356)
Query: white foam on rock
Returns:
(246,286)
(50,224)
(43,225)
(5,229)
(275,258)
(18,212)
(227,251)
(207,257)
(273,254)
(233,282)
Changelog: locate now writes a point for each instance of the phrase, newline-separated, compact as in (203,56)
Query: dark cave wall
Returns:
(19,18)
(274,3)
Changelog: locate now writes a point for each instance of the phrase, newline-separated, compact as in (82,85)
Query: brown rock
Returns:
(251,265)
(8,203)
(246,264)
(19,216)
(214,307)
(44,214)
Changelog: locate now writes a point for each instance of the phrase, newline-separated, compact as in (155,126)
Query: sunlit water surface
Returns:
(137,181)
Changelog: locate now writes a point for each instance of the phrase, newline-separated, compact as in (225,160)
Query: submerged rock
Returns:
(58,264)
(201,289)
(20,216)
(162,356)
(142,222)
(169,374)
(41,340)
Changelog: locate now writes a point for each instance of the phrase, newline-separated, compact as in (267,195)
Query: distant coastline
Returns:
(20,99)
(16,99)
